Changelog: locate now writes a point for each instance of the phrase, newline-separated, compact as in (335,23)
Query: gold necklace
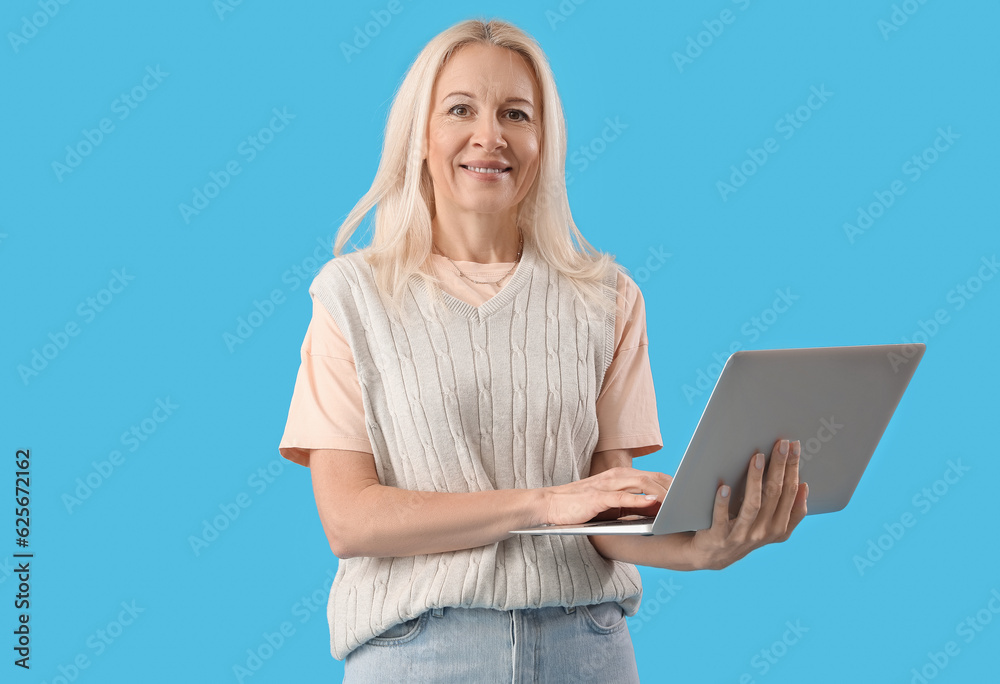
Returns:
(520,249)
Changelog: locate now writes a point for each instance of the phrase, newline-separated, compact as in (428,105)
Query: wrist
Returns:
(697,557)
(709,559)
(539,509)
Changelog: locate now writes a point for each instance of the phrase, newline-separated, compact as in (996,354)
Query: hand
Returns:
(621,487)
(768,514)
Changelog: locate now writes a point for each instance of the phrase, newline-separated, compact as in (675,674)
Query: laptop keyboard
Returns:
(645,520)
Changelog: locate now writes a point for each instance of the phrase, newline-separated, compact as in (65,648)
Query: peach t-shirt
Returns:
(326,410)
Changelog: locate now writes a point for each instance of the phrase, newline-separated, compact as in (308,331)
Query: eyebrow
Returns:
(473,97)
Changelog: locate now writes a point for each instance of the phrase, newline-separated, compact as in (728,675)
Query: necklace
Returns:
(520,249)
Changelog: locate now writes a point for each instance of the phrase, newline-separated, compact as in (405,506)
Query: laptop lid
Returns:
(837,401)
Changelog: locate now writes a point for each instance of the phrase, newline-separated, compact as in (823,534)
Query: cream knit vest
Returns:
(498,396)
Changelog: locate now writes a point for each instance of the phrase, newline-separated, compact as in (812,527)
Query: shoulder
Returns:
(630,321)
(339,271)
(630,300)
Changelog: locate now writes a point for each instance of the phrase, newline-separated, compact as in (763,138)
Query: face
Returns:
(483,134)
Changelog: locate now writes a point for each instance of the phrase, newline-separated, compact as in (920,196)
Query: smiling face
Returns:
(484,132)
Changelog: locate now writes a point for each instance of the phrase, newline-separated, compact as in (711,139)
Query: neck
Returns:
(482,238)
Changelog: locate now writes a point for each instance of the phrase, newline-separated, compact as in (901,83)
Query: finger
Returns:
(751,499)
(634,481)
(651,507)
(773,481)
(789,488)
(799,509)
(657,483)
(720,512)
(651,510)
(629,500)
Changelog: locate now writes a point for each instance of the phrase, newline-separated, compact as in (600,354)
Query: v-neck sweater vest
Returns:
(498,396)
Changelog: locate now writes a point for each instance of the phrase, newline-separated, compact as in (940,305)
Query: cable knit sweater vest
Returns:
(498,396)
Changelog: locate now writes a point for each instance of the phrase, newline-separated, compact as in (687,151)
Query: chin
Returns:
(488,206)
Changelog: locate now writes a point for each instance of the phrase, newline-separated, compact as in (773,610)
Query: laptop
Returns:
(836,400)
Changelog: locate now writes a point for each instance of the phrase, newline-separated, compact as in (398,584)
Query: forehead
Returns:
(488,72)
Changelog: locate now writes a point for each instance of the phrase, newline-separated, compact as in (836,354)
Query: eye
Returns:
(458,106)
(521,115)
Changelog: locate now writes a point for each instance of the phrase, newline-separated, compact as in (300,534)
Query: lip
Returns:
(487,163)
(487,177)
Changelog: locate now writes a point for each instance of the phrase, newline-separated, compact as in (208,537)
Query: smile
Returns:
(478,169)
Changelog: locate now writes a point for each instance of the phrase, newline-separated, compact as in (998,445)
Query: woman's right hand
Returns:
(621,487)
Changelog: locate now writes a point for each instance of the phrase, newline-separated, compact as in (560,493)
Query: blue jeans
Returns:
(554,645)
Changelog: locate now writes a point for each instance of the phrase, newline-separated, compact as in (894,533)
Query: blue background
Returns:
(650,192)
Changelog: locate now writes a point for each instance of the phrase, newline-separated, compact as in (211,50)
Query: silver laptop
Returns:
(836,400)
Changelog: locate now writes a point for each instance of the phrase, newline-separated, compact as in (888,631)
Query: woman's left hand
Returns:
(772,506)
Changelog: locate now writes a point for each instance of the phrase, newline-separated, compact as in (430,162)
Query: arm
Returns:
(770,512)
(362,517)
(669,551)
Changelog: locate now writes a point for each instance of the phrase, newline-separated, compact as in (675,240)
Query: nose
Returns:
(489,133)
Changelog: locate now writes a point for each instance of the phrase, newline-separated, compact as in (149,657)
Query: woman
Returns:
(474,371)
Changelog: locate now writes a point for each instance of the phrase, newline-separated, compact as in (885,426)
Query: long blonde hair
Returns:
(402,192)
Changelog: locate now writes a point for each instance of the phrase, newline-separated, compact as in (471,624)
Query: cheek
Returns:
(525,146)
(438,146)
(529,148)
(446,137)
(530,158)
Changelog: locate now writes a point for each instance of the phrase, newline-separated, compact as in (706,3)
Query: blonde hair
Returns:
(403,195)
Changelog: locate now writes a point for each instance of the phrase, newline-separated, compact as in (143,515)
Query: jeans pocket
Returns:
(604,618)
(401,632)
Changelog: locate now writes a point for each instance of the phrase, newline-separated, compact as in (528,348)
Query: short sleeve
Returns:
(326,410)
(626,405)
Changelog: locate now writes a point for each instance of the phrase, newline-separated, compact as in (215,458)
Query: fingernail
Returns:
(796,448)
(650,497)
(783,447)
(725,491)
(759,461)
